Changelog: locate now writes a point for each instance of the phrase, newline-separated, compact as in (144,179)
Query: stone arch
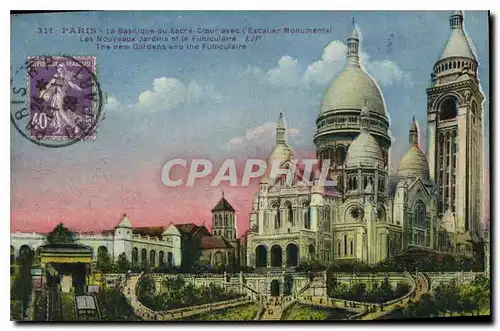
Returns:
(102,250)
(260,256)
(25,251)
(135,255)
(144,255)
(340,154)
(419,214)
(292,254)
(275,288)
(330,153)
(349,207)
(289,211)
(276,255)
(448,108)
(219,258)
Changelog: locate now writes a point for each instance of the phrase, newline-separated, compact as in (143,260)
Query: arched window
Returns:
(225,220)
(340,154)
(289,212)
(449,109)
(351,244)
(307,219)
(345,244)
(339,250)
(419,215)
(331,155)
(135,255)
(446,66)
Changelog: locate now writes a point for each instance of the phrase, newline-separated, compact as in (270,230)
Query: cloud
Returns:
(112,103)
(169,93)
(257,137)
(333,59)
(285,73)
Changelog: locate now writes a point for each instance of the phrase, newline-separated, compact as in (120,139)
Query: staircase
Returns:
(273,308)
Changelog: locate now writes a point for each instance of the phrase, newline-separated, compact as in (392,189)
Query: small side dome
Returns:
(414,165)
(364,150)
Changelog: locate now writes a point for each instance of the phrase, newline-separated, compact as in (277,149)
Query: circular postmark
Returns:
(56,101)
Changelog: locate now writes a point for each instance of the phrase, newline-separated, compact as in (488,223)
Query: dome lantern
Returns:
(413,136)
(280,130)
(353,48)
(458,44)
(456,20)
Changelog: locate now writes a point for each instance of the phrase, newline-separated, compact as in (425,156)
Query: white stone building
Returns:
(152,244)
(370,216)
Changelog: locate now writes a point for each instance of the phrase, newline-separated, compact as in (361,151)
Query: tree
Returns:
(104,262)
(60,235)
(122,263)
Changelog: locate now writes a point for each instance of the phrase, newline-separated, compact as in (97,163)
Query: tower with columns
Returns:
(455,135)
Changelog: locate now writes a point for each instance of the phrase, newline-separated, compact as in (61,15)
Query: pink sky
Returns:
(89,202)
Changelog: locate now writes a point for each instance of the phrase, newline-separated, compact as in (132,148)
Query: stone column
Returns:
(431,144)
(283,257)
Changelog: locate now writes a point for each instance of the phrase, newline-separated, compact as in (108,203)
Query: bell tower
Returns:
(223,220)
(455,134)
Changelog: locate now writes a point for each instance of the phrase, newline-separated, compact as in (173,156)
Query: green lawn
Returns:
(241,313)
(68,307)
(300,312)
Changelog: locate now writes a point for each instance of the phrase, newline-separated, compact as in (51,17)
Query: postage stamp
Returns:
(61,97)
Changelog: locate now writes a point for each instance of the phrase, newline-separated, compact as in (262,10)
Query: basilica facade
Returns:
(433,202)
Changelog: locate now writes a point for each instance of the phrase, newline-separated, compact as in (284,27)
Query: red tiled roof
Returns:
(212,242)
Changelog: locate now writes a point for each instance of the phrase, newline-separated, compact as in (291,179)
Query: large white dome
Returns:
(350,89)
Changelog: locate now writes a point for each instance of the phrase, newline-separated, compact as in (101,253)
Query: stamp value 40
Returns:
(63,100)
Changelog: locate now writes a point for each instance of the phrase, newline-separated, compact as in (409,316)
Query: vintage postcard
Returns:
(250,166)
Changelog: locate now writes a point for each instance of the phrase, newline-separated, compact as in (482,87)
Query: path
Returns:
(272,309)
(422,286)
(129,290)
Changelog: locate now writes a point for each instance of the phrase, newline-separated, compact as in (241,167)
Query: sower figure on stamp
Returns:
(60,104)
